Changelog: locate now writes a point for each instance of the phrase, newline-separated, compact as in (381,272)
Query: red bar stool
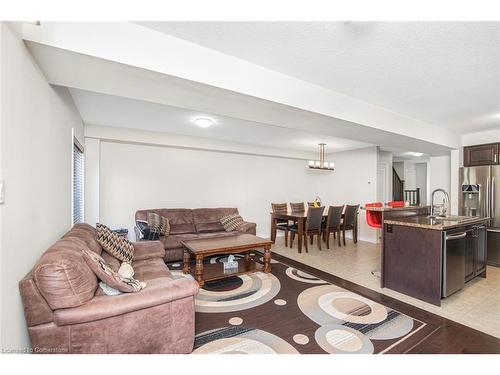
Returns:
(396,204)
(374,218)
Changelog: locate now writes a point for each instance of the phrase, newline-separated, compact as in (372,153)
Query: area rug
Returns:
(289,311)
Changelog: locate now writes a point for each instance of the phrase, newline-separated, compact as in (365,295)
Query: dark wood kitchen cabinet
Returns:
(475,252)
(481,155)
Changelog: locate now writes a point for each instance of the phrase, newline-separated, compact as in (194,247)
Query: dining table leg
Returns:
(273,229)
(300,231)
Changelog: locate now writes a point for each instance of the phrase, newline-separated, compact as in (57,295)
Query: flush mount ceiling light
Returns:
(204,122)
(321,163)
(416,154)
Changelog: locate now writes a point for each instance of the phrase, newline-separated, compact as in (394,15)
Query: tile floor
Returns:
(477,305)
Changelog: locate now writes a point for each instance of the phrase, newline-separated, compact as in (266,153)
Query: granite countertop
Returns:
(426,222)
(388,208)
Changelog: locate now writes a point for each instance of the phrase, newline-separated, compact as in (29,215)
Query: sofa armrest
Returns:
(248,227)
(148,249)
(157,292)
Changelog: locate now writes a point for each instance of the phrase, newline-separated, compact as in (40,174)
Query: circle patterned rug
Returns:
(293,311)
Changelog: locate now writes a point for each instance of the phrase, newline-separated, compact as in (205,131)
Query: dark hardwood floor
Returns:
(448,337)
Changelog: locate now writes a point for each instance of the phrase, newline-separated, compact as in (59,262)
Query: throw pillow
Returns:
(146,232)
(231,222)
(126,270)
(159,223)
(115,245)
(110,277)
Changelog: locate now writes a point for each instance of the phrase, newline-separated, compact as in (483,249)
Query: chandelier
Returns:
(321,163)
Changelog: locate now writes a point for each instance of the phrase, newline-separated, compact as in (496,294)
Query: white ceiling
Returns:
(443,73)
(116,111)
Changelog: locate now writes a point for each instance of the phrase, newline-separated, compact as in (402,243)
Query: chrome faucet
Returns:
(446,201)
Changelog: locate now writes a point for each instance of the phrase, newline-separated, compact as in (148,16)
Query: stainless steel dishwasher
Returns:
(454,245)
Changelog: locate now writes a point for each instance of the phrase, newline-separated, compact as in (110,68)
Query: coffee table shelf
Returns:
(216,271)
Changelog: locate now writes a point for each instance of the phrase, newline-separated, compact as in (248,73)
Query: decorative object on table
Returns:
(230,264)
(159,223)
(317,202)
(106,274)
(321,163)
(231,222)
(113,244)
(145,232)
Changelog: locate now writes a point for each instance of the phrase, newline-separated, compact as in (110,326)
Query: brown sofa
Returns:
(67,312)
(187,224)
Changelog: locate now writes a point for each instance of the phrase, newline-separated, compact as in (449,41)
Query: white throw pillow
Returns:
(126,270)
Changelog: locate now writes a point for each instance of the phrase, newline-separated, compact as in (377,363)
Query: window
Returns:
(78,171)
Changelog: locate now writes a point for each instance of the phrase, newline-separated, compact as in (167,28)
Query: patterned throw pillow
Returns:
(159,223)
(115,245)
(110,277)
(231,222)
(147,233)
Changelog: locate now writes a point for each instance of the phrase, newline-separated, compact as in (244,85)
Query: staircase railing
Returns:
(397,186)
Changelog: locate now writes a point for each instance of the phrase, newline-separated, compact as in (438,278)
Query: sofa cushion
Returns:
(87,234)
(149,269)
(174,240)
(208,219)
(116,245)
(62,276)
(148,249)
(109,276)
(181,219)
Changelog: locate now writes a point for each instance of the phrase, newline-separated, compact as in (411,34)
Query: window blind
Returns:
(78,168)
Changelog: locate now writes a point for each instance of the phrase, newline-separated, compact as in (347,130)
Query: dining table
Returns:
(298,217)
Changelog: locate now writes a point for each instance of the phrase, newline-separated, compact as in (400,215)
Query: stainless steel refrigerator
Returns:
(479,195)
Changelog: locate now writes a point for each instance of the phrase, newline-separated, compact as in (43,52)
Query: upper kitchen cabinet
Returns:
(481,155)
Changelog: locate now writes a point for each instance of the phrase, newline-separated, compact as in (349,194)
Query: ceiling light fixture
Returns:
(416,154)
(204,122)
(321,163)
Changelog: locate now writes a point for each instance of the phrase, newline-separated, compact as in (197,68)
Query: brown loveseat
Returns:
(67,312)
(187,224)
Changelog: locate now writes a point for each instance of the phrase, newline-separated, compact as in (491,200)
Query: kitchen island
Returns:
(430,258)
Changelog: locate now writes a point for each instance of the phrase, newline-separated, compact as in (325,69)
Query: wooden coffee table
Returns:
(241,243)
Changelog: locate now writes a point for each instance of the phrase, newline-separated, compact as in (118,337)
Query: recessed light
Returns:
(204,122)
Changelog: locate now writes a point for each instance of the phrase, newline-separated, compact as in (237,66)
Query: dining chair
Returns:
(312,227)
(281,208)
(333,224)
(297,207)
(350,222)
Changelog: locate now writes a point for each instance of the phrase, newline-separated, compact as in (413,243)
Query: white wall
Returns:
(37,122)
(421,180)
(488,136)
(455,164)
(135,176)
(439,172)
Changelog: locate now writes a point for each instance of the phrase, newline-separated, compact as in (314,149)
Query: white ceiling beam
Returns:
(156,67)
